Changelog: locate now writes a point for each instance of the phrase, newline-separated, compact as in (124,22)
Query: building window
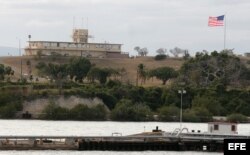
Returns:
(216,127)
(233,128)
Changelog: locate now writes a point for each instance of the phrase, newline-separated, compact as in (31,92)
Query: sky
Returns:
(152,24)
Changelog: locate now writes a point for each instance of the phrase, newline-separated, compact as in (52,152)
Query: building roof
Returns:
(223,123)
(73,42)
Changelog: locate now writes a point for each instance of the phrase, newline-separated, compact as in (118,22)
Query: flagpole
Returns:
(225,31)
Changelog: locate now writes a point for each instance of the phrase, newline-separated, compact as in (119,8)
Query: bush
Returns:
(237,118)
(160,57)
(79,112)
(203,114)
(169,113)
(109,100)
(125,110)
(190,116)
(7,111)
(113,83)
(55,112)
(83,112)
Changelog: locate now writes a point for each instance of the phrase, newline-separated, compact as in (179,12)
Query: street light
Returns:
(29,36)
(20,55)
(181,92)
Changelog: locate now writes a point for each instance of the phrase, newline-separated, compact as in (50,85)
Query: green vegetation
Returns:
(160,57)
(5,71)
(215,84)
(125,110)
(9,105)
(237,118)
(79,112)
(169,113)
(164,74)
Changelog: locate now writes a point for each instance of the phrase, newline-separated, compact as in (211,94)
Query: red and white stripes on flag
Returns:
(216,21)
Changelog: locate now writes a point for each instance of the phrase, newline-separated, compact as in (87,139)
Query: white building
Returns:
(79,47)
(222,128)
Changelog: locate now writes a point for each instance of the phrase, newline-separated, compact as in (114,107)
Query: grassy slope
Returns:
(129,64)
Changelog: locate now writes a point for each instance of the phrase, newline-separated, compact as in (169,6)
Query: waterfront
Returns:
(77,128)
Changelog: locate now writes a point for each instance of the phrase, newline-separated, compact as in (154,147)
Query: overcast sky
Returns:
(146,23)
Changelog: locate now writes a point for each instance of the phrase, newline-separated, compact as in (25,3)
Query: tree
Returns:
(169,113)
(207,70)
(186,55)
(56,72)
(161,51)
(29,68)
(5,71)
(141,51)
(177,51)
(100,74)
(164,74)
(236,117)
(78,68)
(141,73)
(125,110)
(208,102)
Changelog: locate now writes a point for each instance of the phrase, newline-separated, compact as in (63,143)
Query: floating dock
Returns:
(156,140)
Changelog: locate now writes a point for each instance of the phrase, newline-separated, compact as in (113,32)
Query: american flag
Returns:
(216,21)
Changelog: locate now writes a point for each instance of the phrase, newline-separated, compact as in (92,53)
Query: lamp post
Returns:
(29,36)
(181,92)
(20,54)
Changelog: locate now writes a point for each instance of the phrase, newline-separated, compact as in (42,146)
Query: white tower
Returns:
(80,36)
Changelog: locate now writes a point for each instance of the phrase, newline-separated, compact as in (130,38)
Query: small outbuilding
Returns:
(222,128)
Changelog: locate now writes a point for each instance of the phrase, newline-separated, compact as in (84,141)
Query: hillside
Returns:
(130,65)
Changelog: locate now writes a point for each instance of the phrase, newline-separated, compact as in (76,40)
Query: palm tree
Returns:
(141,74)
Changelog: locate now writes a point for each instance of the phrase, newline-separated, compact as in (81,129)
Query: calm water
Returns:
(77,128)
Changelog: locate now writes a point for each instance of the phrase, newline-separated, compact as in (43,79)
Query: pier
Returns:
(145,141)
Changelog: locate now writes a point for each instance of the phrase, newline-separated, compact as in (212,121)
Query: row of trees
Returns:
(77,70)
(176,52)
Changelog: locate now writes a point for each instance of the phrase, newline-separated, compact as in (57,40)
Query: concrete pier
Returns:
(144,141)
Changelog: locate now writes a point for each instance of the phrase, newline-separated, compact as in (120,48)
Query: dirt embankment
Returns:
(36,107)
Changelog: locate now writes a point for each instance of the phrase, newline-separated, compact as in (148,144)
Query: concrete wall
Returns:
(117,55)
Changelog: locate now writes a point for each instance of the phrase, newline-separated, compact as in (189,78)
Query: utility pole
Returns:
(181,92)
(20,54)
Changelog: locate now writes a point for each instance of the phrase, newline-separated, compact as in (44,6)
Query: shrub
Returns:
(7,111)
(190,116)
(83,112)
(160,57)
(109,100)
(203,114)
(125,110)
(55,112)
(113,83)
(237,118)
(169,113)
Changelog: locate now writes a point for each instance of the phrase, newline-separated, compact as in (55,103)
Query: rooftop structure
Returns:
(79,47)
(222,128)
